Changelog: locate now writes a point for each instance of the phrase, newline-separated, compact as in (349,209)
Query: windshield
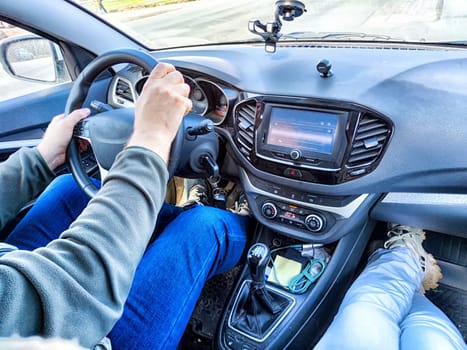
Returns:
(173,23)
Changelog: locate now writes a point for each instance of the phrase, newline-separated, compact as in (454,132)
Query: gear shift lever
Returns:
(259,307)
(257,259)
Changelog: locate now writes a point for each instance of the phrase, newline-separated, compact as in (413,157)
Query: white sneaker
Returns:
(412,237)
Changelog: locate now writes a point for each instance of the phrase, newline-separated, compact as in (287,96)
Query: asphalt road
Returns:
(226,20)
(205,21)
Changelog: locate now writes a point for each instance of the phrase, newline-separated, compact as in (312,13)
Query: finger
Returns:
(182,89)
(161,70)
(175,77)
(56,119)
(189,106)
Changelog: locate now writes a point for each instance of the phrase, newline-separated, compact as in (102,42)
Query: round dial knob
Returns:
(314,222)
(295,154)
(269,210)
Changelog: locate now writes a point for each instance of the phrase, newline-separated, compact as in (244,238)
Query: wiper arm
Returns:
(336,35)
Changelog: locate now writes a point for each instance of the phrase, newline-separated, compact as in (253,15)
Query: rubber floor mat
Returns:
(453,302)
(203,323)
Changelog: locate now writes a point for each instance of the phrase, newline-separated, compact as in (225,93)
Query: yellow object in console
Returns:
(284,270)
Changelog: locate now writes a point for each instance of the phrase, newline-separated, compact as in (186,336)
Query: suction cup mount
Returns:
(288,10)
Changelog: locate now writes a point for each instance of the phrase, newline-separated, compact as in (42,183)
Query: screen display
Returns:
(306,130)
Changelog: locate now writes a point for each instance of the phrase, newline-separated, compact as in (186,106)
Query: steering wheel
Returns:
(107,132)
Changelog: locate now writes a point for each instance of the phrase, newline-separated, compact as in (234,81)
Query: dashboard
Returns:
(313,152)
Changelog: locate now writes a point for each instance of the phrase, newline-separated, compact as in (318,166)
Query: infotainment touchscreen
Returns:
(306,130)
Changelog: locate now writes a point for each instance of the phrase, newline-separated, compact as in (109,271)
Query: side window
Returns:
(29,63)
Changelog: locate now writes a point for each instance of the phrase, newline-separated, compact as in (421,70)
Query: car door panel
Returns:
(25,118)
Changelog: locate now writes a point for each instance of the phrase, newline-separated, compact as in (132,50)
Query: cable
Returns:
(310,273)
(300,283)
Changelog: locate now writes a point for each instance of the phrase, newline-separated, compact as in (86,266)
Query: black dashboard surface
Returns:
(421,89)
(418,90)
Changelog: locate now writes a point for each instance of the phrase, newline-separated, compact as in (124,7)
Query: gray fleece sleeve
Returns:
(22,176)
(76,286)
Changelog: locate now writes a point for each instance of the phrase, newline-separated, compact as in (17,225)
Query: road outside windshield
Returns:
(171,23)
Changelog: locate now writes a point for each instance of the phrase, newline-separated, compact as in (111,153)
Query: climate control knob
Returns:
(269,210)
(315,222)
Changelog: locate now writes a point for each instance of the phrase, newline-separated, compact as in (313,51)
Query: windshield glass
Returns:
(172,23)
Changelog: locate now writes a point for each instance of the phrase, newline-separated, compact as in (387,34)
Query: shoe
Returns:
(412,237)
(197,195)
(241,206)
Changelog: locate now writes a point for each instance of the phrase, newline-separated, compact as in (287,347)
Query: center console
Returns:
(286,147)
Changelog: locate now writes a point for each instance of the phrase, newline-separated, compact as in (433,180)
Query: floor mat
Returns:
(453,302)
(203,323)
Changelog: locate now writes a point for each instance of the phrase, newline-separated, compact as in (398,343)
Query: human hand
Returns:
(58,135)
(160,109)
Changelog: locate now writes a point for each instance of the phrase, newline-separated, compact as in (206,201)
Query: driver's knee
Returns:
(62,195)
(65,188)
(63,184)
(212,226)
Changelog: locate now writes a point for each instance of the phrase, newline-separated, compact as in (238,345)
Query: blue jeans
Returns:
(384,309)
(192,246)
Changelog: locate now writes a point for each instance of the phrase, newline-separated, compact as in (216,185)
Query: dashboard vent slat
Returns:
(244,127)
(369,141)
(123,90)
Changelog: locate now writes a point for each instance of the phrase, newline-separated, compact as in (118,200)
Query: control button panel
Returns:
(293,215)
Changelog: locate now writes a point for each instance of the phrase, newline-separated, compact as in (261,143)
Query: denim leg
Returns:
(376,303)
(427,327)
(56,208)
(199,243)
(53,212)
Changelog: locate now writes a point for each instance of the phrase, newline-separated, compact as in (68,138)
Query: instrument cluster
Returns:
(210,99)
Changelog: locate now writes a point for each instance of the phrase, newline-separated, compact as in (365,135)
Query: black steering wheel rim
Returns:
(78,95)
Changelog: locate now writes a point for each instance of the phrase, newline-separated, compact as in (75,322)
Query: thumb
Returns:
(78,115)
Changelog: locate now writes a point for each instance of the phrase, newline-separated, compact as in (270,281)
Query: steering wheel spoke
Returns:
(81,130)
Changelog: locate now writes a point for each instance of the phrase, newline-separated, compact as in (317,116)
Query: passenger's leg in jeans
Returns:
(376,303)
(427,327)
(198,244)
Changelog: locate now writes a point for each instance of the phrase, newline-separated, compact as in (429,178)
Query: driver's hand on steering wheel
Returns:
(160,109)
(54,144)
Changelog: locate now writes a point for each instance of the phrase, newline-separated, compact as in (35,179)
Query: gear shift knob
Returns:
(257,258)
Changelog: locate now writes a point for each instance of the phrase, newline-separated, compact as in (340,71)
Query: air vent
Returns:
(123,90)
(244,124)
(134,69)
(370,139)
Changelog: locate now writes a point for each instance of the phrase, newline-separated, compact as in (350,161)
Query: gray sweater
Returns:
(76,286)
